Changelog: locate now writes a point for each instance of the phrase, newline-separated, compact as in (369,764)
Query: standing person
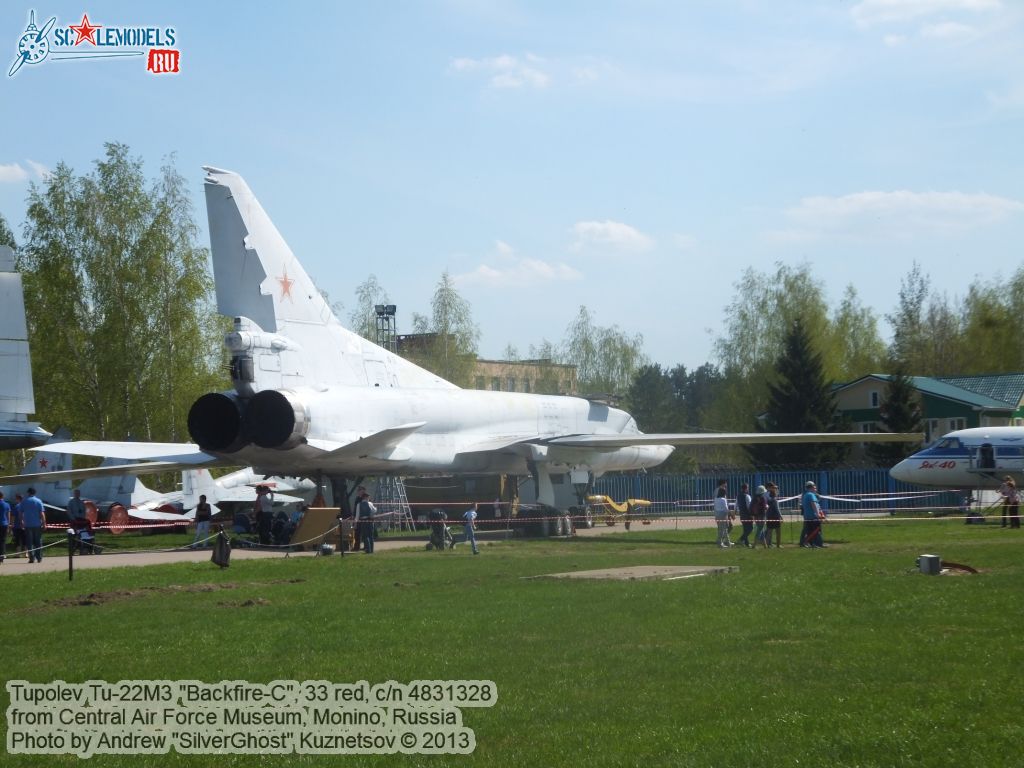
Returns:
(33,517)
(17,525)
(746,519)
(365,511)
(759,511)
(264,513)
(813,517)
(5,521)
(76,507)
(722,517)
(1011,502)
(773,517)
(203,515)
(469,527)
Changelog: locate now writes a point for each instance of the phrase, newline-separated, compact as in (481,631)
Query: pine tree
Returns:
(800,400)
(900,411)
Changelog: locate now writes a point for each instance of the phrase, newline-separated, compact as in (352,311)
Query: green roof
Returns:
(941,388)
(1008,387)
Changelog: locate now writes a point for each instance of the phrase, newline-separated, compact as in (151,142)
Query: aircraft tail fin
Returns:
(286,335)
(196,482)
(52,492)
(17,398)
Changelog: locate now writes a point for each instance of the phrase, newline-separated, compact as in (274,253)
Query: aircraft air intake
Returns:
(215,422)
(276,419)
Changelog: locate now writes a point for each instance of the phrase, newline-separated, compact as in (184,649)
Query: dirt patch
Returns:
(102,598)
(244,603)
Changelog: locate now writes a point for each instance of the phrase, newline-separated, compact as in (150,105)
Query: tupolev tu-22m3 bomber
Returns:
(313,399)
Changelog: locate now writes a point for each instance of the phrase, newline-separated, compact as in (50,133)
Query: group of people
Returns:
(760,515)
(25,521)
(365,533)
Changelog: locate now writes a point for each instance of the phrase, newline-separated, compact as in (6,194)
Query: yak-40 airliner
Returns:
(978,457)
(312,399)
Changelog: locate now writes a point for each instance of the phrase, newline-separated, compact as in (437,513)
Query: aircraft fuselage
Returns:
(979,457)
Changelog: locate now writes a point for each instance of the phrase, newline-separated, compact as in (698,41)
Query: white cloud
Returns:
(900,213)
(40,170)
(609,235)
(506,71)
(894,40)
(871,12)
(12,173)
(511,269)
(950,31)
(1009,98)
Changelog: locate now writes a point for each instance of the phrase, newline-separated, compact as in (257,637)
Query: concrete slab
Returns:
(642,572)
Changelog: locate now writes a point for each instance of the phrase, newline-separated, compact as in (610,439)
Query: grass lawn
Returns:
(838,657)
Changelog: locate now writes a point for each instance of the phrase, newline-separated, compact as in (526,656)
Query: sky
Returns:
(633,157)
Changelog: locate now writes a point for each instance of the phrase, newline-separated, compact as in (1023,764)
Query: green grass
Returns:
(845,656)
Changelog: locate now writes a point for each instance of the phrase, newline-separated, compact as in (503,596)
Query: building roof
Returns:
(942,388)
(1008,387)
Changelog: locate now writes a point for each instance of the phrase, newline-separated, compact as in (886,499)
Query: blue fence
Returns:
(843,490)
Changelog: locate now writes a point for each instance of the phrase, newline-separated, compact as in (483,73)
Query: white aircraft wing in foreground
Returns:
(310,398)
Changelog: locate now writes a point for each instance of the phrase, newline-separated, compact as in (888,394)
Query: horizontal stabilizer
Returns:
(142,468)
(380,445)
(734,438)
(152,516)
(182,453)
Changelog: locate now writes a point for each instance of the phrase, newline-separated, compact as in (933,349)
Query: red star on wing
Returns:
(85,30)
(286,285)
(44,463)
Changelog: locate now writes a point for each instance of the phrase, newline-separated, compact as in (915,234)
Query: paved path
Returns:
(55,558)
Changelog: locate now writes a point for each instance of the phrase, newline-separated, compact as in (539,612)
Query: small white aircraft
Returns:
(17,398)
(313,399)
(979,457)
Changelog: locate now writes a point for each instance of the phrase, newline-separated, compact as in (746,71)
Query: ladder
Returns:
(391,495)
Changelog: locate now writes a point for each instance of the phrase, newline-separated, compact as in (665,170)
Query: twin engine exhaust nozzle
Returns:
(224,423)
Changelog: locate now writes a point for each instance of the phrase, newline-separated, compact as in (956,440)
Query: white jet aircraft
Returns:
(312,399)
(979,457)
(17,398)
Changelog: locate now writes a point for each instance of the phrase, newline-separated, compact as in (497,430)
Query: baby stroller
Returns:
(440,534)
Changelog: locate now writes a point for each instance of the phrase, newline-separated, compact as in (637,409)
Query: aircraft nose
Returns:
(903,471)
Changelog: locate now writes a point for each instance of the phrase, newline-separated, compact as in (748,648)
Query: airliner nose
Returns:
(903,471)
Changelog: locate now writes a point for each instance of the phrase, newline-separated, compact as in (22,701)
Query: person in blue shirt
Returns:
(469,527)
(813,517)
(16,525)
(5,521)
(33,517)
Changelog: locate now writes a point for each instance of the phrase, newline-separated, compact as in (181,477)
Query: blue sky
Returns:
(633,157)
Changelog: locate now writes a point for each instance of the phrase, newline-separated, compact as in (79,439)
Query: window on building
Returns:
(480,382)
(931,430)
(868,426)
(496,383)
(511,384)
(874,399)
(955,424)
(526,385)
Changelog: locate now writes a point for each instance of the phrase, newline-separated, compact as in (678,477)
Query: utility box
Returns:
(930,564)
